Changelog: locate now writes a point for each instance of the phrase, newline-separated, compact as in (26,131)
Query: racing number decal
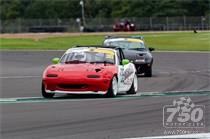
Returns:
(126,74)
(122,75)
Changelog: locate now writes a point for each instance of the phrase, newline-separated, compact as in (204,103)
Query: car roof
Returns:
(89,48)
(124,39)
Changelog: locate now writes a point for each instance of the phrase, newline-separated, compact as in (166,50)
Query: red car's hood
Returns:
(78,67)
(75,70)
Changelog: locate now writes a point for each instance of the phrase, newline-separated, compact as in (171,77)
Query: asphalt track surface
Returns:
(95,117)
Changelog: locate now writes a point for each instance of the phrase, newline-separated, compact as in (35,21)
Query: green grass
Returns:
(182,41)
(173,41)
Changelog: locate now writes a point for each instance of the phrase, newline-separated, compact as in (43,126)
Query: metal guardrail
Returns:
(104,24)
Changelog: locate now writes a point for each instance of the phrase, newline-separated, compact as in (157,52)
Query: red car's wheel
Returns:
(45,94)
(113,88)
(134,86)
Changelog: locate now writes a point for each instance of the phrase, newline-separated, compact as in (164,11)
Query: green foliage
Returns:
(11,9)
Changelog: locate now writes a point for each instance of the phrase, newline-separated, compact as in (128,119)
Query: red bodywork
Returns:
(79,77)
(124,26)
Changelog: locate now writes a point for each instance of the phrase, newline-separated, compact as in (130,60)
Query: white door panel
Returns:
(126,76)
(120,78)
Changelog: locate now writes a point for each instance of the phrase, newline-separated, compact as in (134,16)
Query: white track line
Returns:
(18,77)
(205,52)
(208,52)
(32,50)
(161,72)
(167,92)
(138,94)
(58,99)
(186,136)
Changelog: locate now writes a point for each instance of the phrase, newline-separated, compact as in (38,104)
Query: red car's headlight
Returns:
(52,75)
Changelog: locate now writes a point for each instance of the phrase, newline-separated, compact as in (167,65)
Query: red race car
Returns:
(90,70)
(124,26)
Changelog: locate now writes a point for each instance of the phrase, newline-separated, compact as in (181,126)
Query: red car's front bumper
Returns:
(76,85)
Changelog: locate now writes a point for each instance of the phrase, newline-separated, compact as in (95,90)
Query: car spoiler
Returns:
(137,37)
(133,37)
(99,46)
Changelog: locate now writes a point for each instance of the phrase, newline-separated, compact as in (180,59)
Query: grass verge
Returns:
(170,41)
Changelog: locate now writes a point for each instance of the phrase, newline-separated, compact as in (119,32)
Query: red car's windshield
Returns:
(87,57)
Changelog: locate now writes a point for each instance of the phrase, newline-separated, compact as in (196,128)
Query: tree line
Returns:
(33,9)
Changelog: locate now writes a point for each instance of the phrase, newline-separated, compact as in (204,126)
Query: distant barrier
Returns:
(104,24)
(47,29)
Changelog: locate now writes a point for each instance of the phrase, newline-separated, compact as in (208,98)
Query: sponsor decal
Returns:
(126,76)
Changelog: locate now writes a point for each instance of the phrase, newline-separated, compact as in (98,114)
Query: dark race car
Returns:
(135,50)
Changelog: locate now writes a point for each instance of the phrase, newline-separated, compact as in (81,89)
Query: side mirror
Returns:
(125,61)
(151,49)
(55,60)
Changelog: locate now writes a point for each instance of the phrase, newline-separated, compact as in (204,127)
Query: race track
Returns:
(94,117)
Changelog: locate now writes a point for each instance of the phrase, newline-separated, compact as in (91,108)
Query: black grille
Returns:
(73,86)
(141,54)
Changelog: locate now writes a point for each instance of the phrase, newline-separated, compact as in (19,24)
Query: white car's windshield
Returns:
(87,57)
(126,44)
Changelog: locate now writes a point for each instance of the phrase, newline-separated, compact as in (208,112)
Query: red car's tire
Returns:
(134,87)
(45,94)
(113,88)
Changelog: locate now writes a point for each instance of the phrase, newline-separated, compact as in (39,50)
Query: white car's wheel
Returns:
(134,86)
(113,88)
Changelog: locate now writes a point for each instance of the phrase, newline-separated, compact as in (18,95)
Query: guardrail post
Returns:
(150,21)
(1,31)
(167,28)
(184,22)
(202,22)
